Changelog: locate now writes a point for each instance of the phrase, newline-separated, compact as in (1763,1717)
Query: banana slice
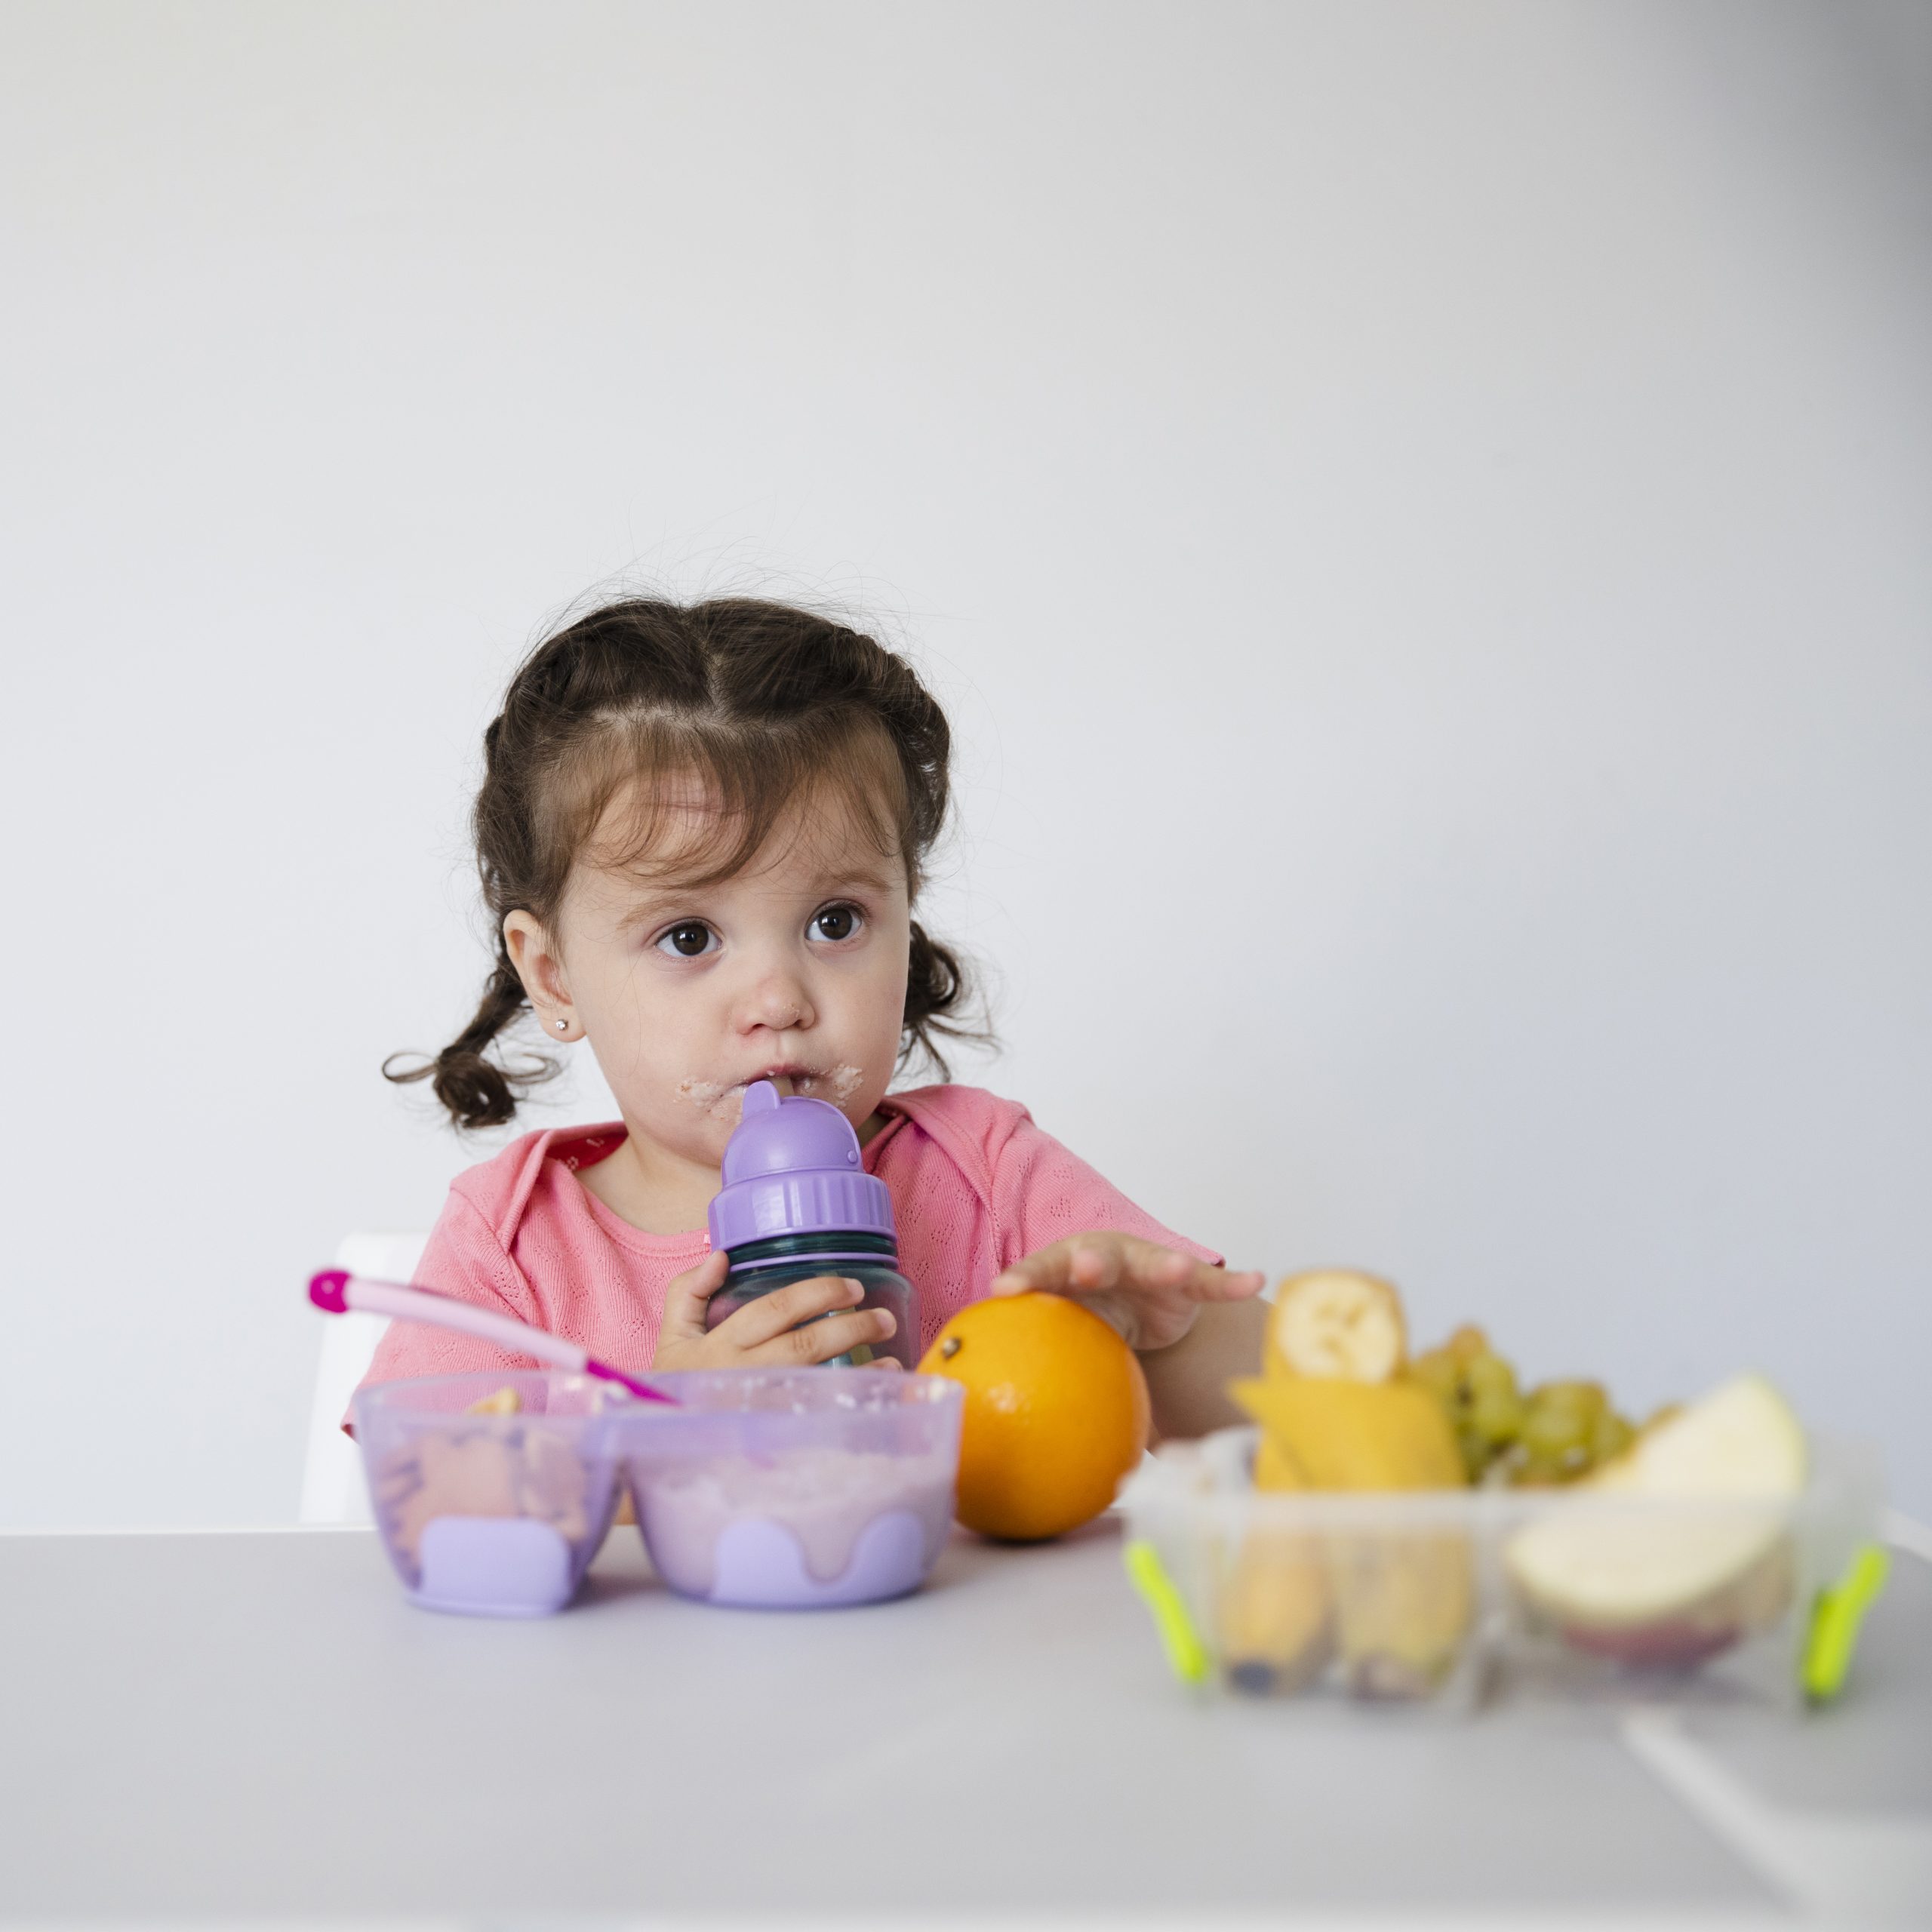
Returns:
(500,1402)
(1337,1324)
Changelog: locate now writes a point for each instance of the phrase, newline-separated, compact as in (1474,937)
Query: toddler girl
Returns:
(700,832)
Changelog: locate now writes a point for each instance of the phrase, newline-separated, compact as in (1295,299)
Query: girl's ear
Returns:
(534,953)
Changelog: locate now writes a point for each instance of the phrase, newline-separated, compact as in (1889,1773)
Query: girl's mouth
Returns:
(723,1100)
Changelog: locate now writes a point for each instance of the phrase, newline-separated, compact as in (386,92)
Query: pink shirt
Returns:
(975,1185)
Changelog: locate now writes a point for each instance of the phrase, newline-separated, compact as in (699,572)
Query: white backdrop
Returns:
(1420,512)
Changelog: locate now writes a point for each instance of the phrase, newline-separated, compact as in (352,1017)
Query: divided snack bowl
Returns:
(1439,1599)
(793,1489)
(491,1514)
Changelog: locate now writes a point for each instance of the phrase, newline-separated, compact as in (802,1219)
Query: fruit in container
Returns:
(1273,1469)
(1275,1605)
(1477,1389)
(498,1465)
(1275,1633)
(1355,1435)
(1056,1413)
(1672,1585)
(1568,1430)
(1399,1600)
(1336,1323)
(1557,1433)
(1405,1601)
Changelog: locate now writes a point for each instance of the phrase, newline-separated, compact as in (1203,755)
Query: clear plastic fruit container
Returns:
(793,1489)
(492,1492)
(1444,1600)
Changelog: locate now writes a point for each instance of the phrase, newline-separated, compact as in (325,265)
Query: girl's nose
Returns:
(779,1002)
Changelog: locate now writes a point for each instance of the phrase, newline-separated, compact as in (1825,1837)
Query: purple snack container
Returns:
(794,1489)
(796,1203)
(491,1514)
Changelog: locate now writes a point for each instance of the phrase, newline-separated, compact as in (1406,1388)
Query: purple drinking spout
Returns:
(792,1168)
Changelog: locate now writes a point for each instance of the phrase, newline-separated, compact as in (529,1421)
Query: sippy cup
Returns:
(796,1203)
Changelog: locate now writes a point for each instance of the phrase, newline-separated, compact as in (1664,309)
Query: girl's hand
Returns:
(777,1331)
(1150,1294)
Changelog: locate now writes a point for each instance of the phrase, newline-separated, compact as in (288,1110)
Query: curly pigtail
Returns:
(938,1002)
(476,1090)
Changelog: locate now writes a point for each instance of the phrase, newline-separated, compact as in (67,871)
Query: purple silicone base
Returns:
(494,1566)
(759,1565)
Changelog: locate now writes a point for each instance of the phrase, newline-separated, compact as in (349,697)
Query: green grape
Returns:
(1554,1443)
(1583,1398)
(1614,1434)
(1552,1434)
(1477,1389)
(1568,1430)
(1489,1375)
(1495,1416)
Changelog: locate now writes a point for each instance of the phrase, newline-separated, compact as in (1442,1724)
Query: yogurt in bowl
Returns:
(793,1489)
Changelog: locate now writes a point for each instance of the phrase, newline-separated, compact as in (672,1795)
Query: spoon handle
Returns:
(336,1291)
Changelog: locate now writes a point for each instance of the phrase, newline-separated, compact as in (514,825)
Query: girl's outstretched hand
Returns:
(778,1331)
(1150,1294)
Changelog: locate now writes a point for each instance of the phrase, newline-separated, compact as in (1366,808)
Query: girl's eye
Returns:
(687,938)
(836,922)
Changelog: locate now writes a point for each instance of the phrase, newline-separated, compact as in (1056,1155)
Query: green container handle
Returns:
(1835,1619)
(1186,1654)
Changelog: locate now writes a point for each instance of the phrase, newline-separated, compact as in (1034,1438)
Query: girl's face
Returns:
(793,970)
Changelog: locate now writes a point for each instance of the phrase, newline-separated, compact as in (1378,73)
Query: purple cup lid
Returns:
(793,1168)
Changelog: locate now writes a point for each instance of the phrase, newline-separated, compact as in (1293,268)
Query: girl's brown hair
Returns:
(762,704)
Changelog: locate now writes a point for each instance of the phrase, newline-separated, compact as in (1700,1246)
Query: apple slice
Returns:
(1741,1439)
(1673,1585)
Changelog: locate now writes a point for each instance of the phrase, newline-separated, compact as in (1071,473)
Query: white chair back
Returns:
(333,1491)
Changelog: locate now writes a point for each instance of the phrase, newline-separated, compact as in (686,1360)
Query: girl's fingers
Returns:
(1047,1269)
(1230,1285)
(799,1325)
(771,1316)
(1090,1264)
(1081,1264)
(819,1341)
(1198,1280)
(686,1294)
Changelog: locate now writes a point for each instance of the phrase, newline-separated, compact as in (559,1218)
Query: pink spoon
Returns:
(335,1292)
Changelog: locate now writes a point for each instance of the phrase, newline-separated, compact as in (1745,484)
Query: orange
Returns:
(1057,1412)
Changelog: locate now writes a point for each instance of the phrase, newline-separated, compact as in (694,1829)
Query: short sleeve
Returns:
(1043,1192)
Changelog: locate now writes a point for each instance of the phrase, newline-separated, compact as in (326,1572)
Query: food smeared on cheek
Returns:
(716,1099)
(837,1084)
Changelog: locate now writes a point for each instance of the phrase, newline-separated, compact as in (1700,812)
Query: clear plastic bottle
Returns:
(797,1204)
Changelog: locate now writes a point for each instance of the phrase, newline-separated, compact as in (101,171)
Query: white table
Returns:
(257,1725)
